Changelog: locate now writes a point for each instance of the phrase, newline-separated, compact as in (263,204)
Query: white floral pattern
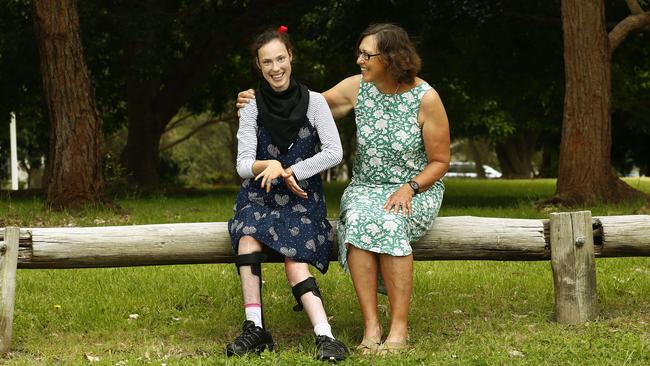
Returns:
(390,152)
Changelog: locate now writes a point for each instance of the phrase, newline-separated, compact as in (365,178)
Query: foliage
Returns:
(631,105)
(21,88)
(498,65)
(209,157)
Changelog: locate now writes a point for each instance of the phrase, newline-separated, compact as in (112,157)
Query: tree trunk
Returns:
(477,157)
(548,167)
(515,154)
(141,154)
(74,170)
(585,174)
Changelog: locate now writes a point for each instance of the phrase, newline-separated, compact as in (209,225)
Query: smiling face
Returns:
(274,61)
(372,69)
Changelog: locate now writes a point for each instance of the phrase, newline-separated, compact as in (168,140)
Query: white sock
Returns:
(323,329)
(254,313)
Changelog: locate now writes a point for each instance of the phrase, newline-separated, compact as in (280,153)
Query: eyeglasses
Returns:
(366,56)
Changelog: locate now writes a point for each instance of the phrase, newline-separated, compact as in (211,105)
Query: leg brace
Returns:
(301,288)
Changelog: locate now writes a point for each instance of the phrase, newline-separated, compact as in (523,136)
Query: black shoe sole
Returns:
(257,350)
(330,358)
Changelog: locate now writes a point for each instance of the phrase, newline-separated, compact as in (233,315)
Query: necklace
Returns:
(386,100)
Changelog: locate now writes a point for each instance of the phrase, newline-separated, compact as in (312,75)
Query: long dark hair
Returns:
(269,35)
(397,51)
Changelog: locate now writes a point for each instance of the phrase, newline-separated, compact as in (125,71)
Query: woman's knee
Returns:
(361,258)
(248,244)
(296,271)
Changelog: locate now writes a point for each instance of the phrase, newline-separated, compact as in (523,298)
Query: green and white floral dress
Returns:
(390,152)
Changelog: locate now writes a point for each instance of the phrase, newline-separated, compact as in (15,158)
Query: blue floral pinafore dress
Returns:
(292,226)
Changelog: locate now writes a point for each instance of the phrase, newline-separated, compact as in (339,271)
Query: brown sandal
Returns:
(369,346)
(392,348)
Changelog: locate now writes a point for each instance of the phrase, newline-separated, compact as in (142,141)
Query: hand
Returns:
(401,198)
(273,170)
(291,183)
(245,97)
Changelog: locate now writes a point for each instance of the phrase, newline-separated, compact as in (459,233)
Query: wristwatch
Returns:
(414,186)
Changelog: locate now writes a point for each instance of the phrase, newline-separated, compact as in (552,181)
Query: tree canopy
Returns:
(498,66)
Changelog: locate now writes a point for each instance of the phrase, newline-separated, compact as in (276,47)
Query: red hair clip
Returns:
(282,29)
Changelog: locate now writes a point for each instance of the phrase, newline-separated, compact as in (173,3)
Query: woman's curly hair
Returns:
(397,51)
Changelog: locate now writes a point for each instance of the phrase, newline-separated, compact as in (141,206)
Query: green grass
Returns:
(463,312)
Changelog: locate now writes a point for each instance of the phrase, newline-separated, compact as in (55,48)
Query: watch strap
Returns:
(414,186)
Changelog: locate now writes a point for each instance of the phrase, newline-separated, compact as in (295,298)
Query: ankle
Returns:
(253,313)
(373,330)
(323,329)
(397,337)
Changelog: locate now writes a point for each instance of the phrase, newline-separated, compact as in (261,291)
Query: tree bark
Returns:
(585,174)
(74,169)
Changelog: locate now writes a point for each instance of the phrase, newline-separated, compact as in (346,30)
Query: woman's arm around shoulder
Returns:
(342,97)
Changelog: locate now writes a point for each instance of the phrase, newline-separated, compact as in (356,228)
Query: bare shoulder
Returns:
(348,87)
(432,109)
(430,99)
(354,79)
(342,97)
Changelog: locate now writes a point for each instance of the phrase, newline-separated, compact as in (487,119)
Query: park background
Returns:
(146,92)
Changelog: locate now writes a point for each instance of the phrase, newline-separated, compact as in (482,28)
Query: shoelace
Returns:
(331,345)
(249,337)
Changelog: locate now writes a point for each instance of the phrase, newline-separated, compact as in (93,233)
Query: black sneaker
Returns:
(252,340)
(330,349)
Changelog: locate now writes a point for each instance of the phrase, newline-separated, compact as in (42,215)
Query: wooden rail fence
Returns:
(570,241)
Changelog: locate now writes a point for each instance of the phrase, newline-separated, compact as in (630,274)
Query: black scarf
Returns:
(283,113)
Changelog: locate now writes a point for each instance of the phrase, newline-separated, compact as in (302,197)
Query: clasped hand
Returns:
(400,199)
(274,170)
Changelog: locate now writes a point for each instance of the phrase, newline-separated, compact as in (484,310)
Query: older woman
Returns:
(403,150)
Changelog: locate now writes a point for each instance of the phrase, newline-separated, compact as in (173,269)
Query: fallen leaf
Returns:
(515,353)
(92,358)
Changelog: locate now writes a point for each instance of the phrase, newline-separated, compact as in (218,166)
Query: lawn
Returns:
(462,313)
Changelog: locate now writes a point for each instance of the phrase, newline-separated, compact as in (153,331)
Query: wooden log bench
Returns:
(571,241)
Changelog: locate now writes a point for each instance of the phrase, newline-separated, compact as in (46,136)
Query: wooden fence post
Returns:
(574,267)
(8,264)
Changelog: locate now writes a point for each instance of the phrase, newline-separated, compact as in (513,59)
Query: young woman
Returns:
(285,140)
(403,150)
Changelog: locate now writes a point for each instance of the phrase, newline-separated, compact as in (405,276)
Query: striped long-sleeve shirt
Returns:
(318,114)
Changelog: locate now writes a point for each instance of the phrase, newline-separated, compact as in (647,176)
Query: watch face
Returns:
(415,186)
